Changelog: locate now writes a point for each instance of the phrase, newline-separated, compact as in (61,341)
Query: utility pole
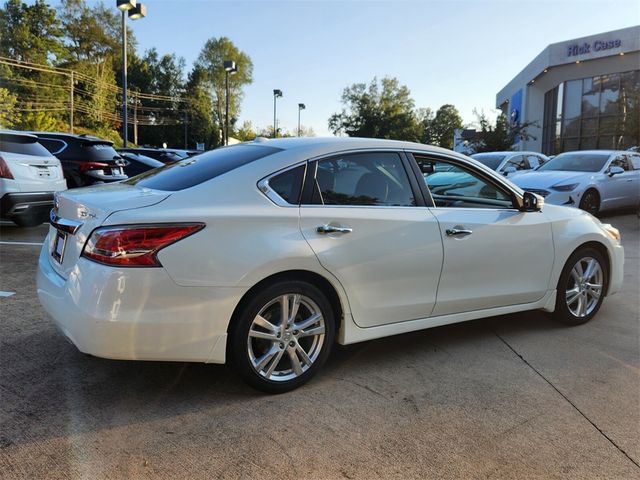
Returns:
(135,118)
(71,104)
(185,130)
(125,132)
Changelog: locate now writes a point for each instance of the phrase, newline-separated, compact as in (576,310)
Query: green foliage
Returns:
(384,110)
(500,136)
(245,133)
(211,75)
(439,129)
(8,115)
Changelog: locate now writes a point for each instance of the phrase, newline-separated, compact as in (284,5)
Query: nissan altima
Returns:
(267,253)
(594,180)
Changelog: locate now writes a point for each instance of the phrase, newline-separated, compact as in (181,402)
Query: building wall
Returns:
(534,97)
(574,59)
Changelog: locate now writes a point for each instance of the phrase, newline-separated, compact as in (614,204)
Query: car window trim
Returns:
(310,179)
(515,197)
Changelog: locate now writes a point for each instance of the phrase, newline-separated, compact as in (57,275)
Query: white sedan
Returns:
(511,162)
(593,180)
(266,253)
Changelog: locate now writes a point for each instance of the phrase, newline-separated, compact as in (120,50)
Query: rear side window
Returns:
(22,146)
(54,146)
(288,185)
(195,170)
(635,161)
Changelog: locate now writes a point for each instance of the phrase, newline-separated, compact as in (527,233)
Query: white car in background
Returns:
(264,254)
(509,163)
(593,180)
(29,176)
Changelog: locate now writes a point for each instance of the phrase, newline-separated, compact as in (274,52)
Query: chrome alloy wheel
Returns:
(584,287)
(286,337)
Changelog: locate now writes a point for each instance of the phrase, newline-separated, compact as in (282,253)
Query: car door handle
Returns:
(333,229)
(456,231)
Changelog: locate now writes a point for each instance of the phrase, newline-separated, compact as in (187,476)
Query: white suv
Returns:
(29,175)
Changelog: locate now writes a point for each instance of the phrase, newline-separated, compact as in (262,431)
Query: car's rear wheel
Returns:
(30,221)
(282,336)
(581,287)
(590,202)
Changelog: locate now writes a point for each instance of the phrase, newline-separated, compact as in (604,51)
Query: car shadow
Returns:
(62,391)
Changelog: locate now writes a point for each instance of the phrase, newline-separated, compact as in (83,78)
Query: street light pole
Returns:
(134,11)
(276,93)
(125,129)
(301,106)
(229,68)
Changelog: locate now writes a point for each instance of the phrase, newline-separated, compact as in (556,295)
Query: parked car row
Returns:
(34,165)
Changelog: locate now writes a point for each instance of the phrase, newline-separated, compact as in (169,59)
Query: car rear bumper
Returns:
(136,313)
(26,204)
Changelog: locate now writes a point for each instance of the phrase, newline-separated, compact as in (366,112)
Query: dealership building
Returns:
(580,94)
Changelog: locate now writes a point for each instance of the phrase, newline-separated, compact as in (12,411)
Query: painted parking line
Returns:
(21,243)
(6,294)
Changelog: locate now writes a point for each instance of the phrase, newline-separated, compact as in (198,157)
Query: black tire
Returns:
(563,313)
(590,202)
(240,345)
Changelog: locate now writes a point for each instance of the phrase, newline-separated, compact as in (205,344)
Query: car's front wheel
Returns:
(282,336)
(581,287)
(590,202)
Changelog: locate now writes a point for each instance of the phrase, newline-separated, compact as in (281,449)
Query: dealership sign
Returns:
(596,46)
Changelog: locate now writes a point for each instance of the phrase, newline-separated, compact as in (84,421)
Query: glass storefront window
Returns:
(609,96)
(599,112)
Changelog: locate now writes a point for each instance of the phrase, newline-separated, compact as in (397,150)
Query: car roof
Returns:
(62,135)
(598,152)
(14,133)
(336,144)
(510,152)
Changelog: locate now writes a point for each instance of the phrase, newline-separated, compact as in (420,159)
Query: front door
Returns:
(494,255)
(367,228)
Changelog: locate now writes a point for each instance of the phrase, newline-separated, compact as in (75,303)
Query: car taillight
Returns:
(85,166)
(4,170)
(135,245)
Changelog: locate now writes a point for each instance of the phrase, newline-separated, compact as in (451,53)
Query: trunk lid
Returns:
(85,209)
(31,168)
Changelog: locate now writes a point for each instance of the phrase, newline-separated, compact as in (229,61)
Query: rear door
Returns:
(494,255)
(366,221)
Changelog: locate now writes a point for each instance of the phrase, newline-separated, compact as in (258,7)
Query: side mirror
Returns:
(508,170)
(427,168)
(615,170)
(531,202)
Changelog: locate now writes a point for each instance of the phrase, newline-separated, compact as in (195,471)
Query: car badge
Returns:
(84,213)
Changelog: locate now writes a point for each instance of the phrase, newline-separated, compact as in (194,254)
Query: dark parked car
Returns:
(85,159)
(163,155)
(135,163)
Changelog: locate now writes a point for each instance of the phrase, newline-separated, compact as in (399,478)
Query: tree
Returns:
(210,65)
(384,110)
(8,115)
(245,133)
(202,128)
(499,137)
(439,129)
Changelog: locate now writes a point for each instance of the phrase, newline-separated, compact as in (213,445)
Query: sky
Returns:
(458,52)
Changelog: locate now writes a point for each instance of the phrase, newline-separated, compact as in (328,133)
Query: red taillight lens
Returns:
(136,245)
(85,166)
(4,170)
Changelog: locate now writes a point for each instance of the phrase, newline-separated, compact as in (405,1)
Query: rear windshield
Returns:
(22,145)
(98,151)
(576,162)
(490,160)
(195,170)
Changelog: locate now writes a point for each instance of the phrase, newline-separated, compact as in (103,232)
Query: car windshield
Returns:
(577,162)
(491,160)
(195,170)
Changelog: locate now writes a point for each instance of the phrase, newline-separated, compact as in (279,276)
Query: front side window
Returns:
(518,162)
(621,162)
(363,179)
(635,161)
(461,188)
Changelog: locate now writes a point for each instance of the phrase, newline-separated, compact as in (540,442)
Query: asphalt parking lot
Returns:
(515,396)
